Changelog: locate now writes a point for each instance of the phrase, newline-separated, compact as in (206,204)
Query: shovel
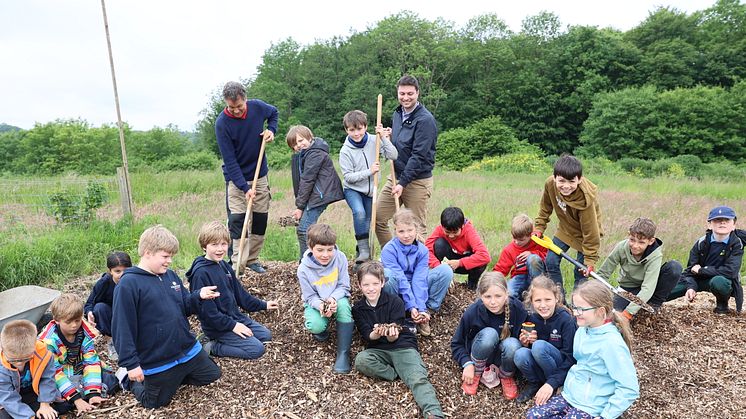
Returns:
(239,268)
(371,234)
(547,243)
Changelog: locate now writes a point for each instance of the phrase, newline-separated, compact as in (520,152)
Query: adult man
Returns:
(240,131)
(414,133)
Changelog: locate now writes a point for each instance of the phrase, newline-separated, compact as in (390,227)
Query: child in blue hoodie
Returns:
(546,355)
(315,181)
(325,291)
(407,275)
(150,328)
(231,332)
(603,383)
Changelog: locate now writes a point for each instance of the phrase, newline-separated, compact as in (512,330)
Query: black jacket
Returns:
(390,309)
(315,181)
(415,141)
(103,292)
(729,266)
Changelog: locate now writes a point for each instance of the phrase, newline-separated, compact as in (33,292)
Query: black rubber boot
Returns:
(721,304)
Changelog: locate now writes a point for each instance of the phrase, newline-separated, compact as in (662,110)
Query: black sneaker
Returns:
(528,393)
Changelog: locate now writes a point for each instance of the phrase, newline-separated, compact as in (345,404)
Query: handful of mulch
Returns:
(386,329)
(287,221)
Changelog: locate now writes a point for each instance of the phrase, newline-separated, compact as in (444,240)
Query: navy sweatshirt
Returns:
(103,292)
(149,324)
(475,318)
(389,309)
(240,140)
(219,316)
(415,141)
(559,331)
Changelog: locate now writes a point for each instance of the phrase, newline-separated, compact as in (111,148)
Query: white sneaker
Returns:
(113,355)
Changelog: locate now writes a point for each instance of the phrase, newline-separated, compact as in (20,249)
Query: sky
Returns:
(171,56)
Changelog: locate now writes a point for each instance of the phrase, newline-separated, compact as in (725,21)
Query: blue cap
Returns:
(722,212)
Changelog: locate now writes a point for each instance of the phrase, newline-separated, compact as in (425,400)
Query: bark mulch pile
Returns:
(690,362)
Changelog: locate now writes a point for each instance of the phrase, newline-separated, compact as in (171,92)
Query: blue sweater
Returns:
(103,292)
(559,331)
(149,324)
(240,140)
(408,264)
(220,315)
(475,318)
(415,141)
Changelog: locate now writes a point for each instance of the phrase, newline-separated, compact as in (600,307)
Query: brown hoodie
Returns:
(579,217)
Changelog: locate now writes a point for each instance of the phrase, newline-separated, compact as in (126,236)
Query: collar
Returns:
(230,115)
(405,114)
(714,240)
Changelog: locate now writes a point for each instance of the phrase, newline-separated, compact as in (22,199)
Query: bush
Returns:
(202,160)
(524,162)
(67,207)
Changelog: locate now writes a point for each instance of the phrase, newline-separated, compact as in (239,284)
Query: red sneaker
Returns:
(510,389)
(471,389)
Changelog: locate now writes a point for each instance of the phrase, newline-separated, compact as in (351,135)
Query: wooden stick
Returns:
(239,267)
(393,181)
(371,233)
(113,408)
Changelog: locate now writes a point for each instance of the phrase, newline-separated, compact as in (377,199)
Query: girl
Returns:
(98,305)
(603,383)
(477,341)
(547,353)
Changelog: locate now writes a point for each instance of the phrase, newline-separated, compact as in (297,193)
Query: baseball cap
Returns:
(721,212)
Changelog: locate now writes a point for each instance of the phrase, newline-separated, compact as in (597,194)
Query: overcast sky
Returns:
(170,55)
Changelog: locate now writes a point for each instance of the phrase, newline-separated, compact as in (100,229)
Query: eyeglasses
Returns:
(579,310)
(19,360)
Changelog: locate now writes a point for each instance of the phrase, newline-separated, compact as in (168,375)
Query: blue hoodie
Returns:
(149,323)
(604,381)
(219,316)
(408,264)
(559,331)
(103,292)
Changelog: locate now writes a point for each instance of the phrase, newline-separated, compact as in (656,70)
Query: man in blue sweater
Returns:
(240,130)
(414,133)
(150,328)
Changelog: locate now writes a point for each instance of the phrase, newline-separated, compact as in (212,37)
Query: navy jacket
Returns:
(729,265)
(415,141)
(475,318)
(103,292)
(558,330)
(390,309)
(149,324)
(219,316)
(315,181)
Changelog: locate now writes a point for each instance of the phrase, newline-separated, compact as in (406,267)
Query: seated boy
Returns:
(150,328)
(522,259)
(574,200)
(715,261)
(406,260)
(27,386)
(325,291)
(231,332)
(315,181)
(457,240)
(641,270)
(79,375)
(390,347)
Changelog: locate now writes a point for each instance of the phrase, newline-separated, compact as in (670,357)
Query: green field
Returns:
(33,249)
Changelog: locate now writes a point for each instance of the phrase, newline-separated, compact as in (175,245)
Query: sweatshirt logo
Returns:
(562,204)
(175,286)
(555,336)
(328,279)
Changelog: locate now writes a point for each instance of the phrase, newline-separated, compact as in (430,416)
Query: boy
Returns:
(574,200)
(150,327)
(231,332)
(407,275)
(715,261)
(390,350)
(78,371)
(315,181)
(641,270)
(457,240)
(27,386)
(522,259)
(325,291)
(357,160)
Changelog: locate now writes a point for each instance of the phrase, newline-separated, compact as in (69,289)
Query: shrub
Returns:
(67,207)
(202,160)
(523,162)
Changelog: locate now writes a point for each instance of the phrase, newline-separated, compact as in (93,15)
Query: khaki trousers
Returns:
(236,213)
(414,197)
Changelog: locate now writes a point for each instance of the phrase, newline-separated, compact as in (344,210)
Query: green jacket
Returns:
(634,273)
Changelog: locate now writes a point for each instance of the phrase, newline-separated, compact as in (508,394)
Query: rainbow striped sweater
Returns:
(91,363)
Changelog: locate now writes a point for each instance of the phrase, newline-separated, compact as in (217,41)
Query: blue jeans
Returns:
(486,345)
(438,281)
(538,362)
(553,265)
(234,346)
(361,206)
(309,218)
(520,283)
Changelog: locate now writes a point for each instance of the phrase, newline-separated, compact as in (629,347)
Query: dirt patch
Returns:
(690,364)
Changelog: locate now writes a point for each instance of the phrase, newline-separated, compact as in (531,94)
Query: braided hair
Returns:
(497,279)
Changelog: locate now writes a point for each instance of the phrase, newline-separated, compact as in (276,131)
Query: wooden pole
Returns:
(127,206)
(371,234)
(239,267)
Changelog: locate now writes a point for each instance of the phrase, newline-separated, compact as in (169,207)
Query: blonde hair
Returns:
(543,282)
(18,338)
(598,295)
(67,307)
(521,226)
(297,131)
(406,216)
(156,239)
(496,279)
(213,232)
